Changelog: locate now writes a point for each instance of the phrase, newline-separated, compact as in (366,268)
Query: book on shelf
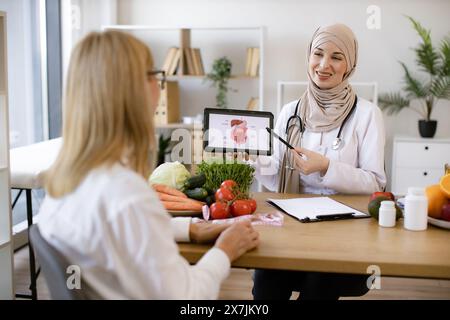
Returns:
(200,62)
(174,66)
(172,61)
(168,109)
(192,60)
(252,62)
(248,62)
(189,61)
(253,104)
(255,62)
(169,58)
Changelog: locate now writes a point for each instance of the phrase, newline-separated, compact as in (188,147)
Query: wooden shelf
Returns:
(187,39)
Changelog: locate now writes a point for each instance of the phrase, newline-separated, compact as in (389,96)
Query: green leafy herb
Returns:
(216,172)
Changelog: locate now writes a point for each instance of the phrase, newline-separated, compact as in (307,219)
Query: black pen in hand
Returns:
(283,141)
(279,138)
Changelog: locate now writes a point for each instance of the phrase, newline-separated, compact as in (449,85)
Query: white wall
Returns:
(79,17)
(21,112)
(290,24)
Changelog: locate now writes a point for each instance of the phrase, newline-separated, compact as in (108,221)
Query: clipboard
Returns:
(316,209)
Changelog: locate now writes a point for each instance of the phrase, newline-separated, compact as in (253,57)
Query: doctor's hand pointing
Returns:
(307,161)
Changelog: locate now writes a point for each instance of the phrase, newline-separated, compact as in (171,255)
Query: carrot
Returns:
(196,202)
(161,188)
(169,197)
(188,205)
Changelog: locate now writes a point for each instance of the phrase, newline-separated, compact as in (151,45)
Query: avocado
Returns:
(374,207)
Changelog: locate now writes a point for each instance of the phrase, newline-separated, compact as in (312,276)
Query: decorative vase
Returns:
(427,128)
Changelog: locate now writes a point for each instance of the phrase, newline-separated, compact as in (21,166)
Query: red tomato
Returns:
(224,194)
(219,210)
(389,195)
(252,203)
(240,208)
(229,184)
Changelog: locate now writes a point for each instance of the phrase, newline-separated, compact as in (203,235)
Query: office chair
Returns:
(53,265)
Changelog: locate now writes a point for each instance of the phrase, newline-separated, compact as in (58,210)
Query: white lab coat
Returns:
(114,227)
(357,168)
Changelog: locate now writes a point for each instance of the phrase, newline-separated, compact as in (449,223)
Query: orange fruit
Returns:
(445,185)
(436,200)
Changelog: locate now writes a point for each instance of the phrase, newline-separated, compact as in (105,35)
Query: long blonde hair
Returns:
(107,113)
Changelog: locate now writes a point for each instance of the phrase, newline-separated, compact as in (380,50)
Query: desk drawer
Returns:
(421,154)
(414,177)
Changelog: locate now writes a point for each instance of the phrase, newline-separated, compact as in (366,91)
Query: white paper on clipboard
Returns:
(311,208)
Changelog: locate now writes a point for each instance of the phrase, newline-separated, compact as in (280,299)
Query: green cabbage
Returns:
(172,174)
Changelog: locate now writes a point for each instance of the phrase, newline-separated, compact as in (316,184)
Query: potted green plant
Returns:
(163,149)
(219,76)
(436,64)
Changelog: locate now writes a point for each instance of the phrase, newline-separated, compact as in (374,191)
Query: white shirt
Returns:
(357,167)
(114,227)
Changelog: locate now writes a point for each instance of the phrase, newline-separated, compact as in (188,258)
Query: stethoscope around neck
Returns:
(338,142)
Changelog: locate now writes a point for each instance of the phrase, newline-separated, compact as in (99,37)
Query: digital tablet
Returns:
(228,130)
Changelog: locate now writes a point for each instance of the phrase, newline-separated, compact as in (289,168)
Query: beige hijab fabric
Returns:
(322,110)
(325,109)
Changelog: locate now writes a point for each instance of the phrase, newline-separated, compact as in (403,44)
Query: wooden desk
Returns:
(346,246)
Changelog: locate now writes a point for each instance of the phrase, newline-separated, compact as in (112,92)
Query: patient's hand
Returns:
(238,239)
(205,232)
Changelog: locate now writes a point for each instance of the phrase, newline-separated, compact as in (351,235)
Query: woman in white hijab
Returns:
(339,148)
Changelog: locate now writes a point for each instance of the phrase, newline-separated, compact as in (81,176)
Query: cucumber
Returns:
(195,181)
(211,192)
(197,193)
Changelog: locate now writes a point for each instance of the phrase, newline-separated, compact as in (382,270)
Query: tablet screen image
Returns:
(237,130)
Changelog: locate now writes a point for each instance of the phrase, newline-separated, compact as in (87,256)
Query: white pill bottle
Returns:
(416,210)
(387,214)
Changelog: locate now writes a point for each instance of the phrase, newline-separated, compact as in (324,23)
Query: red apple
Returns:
(445,215)
(386,194)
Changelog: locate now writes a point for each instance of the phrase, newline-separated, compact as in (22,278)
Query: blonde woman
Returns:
(99,210)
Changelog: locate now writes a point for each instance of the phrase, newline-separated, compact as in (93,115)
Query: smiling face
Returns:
(327,65)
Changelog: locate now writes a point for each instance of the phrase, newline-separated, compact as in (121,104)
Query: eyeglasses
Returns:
(160,76)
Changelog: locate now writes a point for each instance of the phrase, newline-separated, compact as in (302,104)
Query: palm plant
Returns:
(436,63)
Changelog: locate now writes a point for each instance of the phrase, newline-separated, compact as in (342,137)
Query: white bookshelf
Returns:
(232,43)
(6,258)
